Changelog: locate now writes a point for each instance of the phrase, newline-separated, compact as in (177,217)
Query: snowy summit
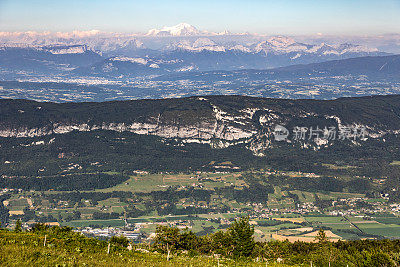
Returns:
(182,29)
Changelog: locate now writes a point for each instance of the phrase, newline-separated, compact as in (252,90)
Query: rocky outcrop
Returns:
(204,131)
(219,121)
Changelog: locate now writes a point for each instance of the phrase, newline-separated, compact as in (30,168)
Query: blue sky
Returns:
(294,17)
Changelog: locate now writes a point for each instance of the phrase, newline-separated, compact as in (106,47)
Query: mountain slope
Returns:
(197,133)
(371,66)
(48,59)
(229,118)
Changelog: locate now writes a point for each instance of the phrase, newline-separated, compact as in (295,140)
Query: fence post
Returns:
(168,253)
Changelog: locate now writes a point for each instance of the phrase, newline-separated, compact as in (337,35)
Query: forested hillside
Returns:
(74,142)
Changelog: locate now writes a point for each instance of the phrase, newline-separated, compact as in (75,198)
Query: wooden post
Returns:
(108,249)
(168,253)
(44,242)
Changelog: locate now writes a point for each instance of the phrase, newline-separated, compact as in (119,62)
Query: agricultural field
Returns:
(151,182)
(100,223)
(214,201)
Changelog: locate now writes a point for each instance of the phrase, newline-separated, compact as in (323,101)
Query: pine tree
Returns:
(18,226)
(321,236)
(241,233)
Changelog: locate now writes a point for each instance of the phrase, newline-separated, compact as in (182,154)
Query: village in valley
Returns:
(205,202)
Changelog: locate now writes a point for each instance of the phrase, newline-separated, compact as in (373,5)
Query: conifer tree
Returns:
(321,236)
(241,233)
(18,226)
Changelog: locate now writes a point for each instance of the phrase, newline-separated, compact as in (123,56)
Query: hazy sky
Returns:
(354,17)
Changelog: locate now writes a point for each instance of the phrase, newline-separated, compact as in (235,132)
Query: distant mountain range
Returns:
(183,61)
(46,60)
(371,68)
(72,72)
(132,58)
(188,48)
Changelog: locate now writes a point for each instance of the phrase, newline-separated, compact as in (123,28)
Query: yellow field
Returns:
(293,239)
(292,220)
(303,229)
(16,212)
(328,233)
(310,237)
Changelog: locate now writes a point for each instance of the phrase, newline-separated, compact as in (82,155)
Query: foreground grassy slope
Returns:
(55,246)
(27,249)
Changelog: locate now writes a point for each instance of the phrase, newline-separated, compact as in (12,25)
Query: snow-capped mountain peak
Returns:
(352,48)
(203,42)
(65,49)
(225,32)
(281,41)
(182,29)
(198,45)
(279,44)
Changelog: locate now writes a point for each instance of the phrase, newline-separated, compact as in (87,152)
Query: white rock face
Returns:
(204,131)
